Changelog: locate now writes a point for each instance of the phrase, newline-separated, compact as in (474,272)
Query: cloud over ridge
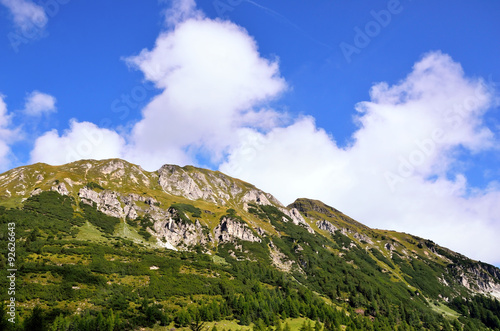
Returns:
(401,170)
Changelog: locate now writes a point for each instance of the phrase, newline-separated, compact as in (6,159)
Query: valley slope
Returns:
(183,246)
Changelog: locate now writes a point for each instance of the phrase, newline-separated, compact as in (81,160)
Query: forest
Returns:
(68,283)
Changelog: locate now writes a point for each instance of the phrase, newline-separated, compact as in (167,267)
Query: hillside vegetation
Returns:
(105,245)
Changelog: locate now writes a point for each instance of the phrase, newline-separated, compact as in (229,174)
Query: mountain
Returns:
(106,244)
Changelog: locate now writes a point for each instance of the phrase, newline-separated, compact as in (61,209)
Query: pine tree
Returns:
(101,322)
(4,319)
(259,325)
(35,322)
(61,323)
(110,321)
(306,326)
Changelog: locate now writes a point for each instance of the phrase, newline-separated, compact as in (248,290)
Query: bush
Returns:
(93,186)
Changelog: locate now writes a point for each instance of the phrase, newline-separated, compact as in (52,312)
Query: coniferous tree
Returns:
(4,322)
(35,322)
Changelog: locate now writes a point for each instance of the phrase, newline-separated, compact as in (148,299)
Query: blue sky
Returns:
(288,95)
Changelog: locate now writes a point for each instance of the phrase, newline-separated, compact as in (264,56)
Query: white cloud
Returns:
(395,174)
(180,11)
(212,77)
(8,135)
(213,81)
(38,103)
(4,133)
(83,140)
(26,14)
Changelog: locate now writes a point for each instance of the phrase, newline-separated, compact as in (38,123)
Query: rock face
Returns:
(181,234)
(259,198)
(229,229)
(327,226)
(480,278)
(177,181)
(214,187)
(296,217)
(60,188)
(36,192)
(106,201)
(279,259)
(362,238)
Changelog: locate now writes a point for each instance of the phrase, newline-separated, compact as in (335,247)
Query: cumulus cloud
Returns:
(26,14)
(4,133)
(400,171)
(212,77)
(180,11)
(83,140)
(8,135)
(213,80)
(38,103)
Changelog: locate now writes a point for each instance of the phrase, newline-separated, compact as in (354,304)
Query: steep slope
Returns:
(125,191)
(109,231)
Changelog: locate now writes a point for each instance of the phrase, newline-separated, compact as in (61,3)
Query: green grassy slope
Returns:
(78,267)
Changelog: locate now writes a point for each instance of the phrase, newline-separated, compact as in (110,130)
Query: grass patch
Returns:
(89,232)
(219,260)
(444,310)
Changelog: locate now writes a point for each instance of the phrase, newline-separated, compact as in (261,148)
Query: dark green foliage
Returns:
(145,234)
(189,289)
(423,274)
(48,211)
(341,239)
(182,209)
(481,308)
(381,257)
(144,222)
(93,186)
(231,213)
(36,321)
(102,221)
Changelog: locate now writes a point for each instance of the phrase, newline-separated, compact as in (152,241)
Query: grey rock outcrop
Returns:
(278,259)
(260,198)
(177,181)
(106,201)
(480,278)
(229,229)
(296,218)
(362,237)
(326,226)
(36,191)
(214,187)
(389,247)
(180,233)
(112,166)
(60,188)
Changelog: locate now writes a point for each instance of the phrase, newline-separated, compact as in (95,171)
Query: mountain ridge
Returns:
(189,209)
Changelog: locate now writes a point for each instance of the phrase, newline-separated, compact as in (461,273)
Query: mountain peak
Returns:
(115,206)
(316,209)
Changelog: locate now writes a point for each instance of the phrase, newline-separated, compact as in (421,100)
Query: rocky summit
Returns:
(108,245)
